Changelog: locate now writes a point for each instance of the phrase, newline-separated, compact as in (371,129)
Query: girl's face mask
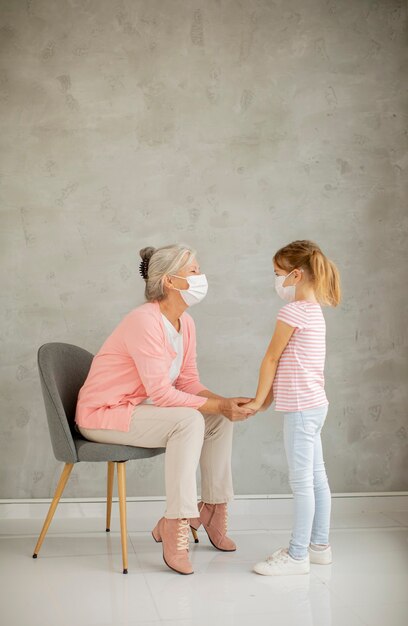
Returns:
(286,293)
(197,289)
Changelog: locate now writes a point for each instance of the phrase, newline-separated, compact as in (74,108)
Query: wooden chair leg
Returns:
(111,472)
(58,493)
(122,510)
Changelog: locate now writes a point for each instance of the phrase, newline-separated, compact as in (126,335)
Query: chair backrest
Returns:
(63,369)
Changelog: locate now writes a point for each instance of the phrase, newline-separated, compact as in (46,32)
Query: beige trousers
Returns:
(189,438)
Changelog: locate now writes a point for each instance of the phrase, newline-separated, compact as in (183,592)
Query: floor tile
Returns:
(78,577)
(377,614)
(235,592)
(81,591)
(382,578)
(64,545)
(325,616)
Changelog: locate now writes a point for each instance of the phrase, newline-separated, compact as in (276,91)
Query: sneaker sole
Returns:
(280,574)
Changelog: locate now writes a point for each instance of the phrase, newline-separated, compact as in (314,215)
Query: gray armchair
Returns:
(63,369)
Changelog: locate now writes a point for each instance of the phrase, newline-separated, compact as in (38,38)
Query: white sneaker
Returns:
(320,557)
(281,564)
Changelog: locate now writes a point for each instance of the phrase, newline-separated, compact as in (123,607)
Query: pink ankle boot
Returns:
(214,518)
(174,535)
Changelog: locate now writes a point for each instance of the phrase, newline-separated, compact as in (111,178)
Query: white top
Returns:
(176,341)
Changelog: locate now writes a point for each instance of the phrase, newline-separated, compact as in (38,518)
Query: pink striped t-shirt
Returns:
(299,379)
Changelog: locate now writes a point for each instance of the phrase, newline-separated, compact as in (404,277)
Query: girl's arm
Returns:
(268,401)
(283,332)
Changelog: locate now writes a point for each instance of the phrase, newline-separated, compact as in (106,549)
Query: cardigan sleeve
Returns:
(144,342)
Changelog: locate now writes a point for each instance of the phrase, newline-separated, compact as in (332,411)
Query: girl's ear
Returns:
(298,274)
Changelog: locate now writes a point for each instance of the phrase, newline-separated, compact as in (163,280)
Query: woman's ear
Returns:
(167,282)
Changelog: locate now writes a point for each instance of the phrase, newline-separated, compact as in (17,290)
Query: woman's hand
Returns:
(234,411)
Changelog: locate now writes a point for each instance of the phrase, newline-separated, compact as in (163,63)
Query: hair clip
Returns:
(143,267)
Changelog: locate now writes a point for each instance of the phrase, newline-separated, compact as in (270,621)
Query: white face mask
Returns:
(286,293)
(197,290)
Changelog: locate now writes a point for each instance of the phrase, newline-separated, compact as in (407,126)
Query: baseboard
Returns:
(143,508)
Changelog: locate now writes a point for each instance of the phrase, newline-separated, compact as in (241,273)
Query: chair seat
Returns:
(90,451)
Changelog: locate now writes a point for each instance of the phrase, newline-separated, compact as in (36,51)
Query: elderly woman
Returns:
(143,389)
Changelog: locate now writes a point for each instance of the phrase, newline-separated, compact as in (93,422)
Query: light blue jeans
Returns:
(307,478)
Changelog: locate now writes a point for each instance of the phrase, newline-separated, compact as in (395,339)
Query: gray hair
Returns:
(161,262)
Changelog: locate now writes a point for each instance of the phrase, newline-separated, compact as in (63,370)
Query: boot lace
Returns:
(225,520)
(225,516)
(182,534)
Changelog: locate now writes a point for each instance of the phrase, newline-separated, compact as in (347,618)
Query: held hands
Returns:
(236,409)
(253,405)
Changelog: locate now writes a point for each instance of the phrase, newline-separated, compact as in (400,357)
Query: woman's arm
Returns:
(213,404)
(283,333)
(206,393)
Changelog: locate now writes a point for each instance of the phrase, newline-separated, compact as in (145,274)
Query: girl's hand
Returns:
(252,404)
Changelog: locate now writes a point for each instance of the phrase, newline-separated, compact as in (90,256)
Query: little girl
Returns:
(292,373)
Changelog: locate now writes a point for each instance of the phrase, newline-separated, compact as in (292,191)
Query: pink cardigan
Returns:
(134,364)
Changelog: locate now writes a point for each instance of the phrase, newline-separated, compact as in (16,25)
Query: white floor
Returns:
(77,578)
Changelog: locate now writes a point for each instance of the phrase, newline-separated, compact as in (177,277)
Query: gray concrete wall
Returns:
(235,126)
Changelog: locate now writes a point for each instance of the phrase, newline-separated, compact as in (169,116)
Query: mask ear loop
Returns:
(287,275)
(183,278)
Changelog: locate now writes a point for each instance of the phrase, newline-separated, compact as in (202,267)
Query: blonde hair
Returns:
(323,273)
(161,262)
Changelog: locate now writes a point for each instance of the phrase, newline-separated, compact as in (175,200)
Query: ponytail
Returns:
(323,272)
(326,278)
